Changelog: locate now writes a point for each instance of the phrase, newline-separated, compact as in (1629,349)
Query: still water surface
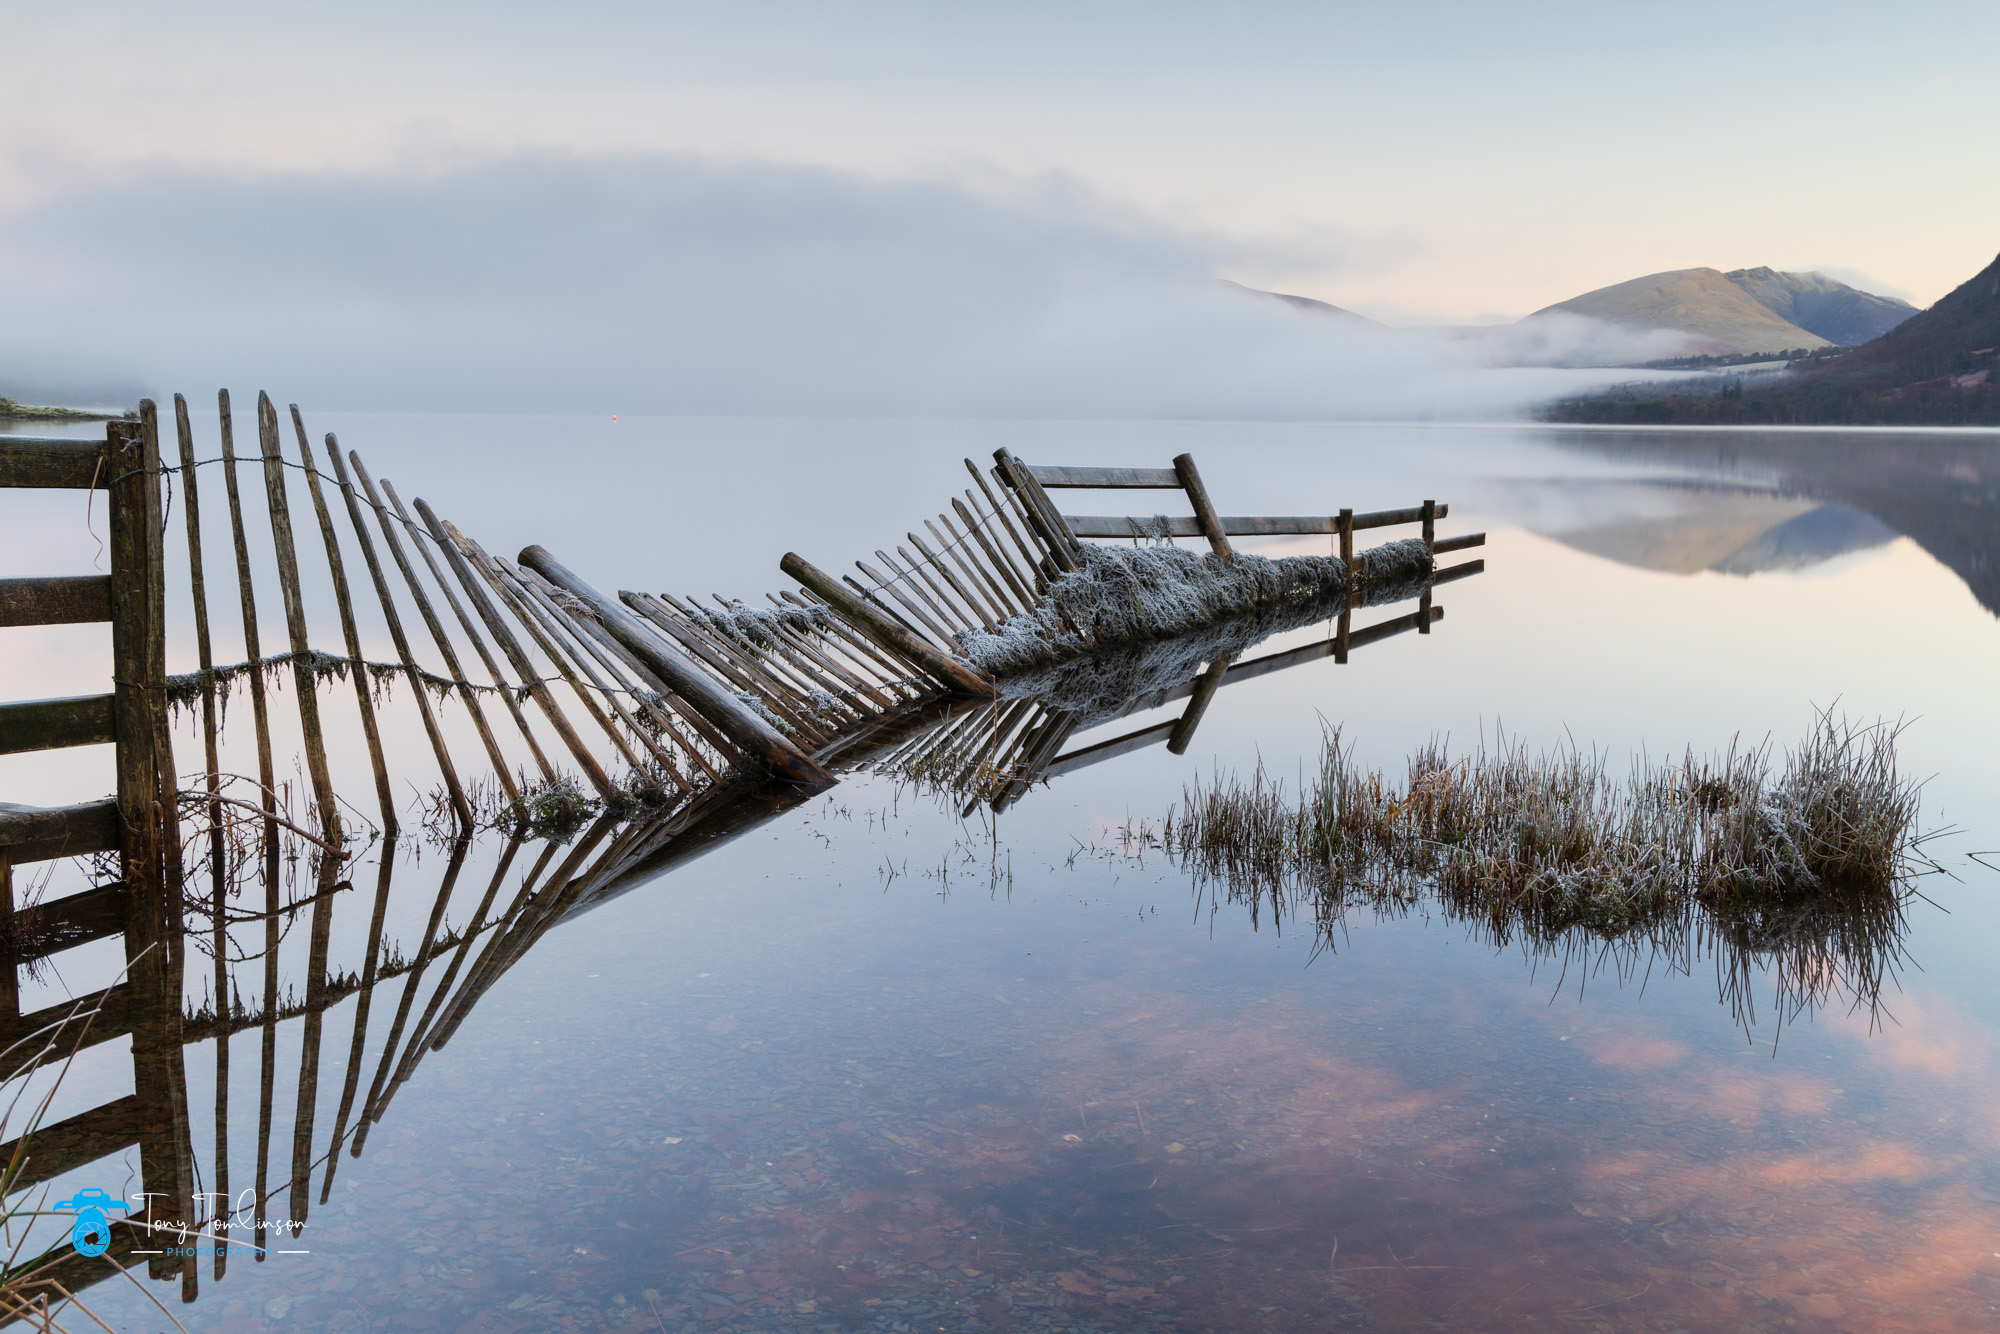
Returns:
(874,1066)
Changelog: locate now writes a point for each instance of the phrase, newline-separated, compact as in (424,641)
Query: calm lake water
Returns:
(874,1066)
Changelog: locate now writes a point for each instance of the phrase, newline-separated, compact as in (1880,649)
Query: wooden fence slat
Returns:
(419,689)
(974,604)
(474,588)
(465,623)
(63,599)
(1155,479)
(1112,749)
(305,682)
(40,834)
(1241,525)
(246,598)
(1000,511)
(996,550)
(751,736)
(544,630)
(72,920)
(1430,553)
(1463,571)
(53,724)
(372,1105)
(609,676)
(727,659)
(305,1101)
(443,640)
(1042,513)
(922,588)
(892,674)
(37,462)
(952,673)
(385,798)
(358,1041)
(995,586)
(204,656)
(1045,563)
(1204,692)
(114,1017)
(76,1141)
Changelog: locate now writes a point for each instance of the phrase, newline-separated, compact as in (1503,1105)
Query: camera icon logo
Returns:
(91,1233)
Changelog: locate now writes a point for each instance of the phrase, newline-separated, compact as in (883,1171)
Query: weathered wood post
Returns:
(148,818)
(758,741)
(1430,557)
(1204,692)
(145,782)
(1204,509)
(954,674)
(1345,525)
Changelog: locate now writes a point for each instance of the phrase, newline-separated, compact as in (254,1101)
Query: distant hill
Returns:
(1743,311)
(1937,368)
(1305,303)
(1716,315)
(1844,316)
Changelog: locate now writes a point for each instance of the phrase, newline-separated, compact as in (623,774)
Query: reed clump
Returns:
(1554,842)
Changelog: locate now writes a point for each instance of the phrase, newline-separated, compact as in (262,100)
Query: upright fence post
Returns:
(149,828)
(1430,559)
(1346,527)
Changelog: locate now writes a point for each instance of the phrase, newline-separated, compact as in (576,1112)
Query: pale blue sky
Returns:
(1427,160)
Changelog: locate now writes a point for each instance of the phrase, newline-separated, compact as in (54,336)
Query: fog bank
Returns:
(687,285)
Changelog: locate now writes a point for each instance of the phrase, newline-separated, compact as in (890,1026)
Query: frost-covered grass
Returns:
(1132,595)
(1555,840)
(1804,861)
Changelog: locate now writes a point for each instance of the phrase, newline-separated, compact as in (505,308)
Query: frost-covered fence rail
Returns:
(1005,583)
(1098,631)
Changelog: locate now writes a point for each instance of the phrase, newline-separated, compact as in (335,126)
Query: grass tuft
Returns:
(1807,860)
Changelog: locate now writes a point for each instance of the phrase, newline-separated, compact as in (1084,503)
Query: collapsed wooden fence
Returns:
(679,723)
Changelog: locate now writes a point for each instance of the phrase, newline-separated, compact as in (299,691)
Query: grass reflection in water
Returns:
(1806,869)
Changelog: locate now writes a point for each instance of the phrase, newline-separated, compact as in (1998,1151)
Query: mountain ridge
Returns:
(1940,367)
(1845,316)
(1715,315)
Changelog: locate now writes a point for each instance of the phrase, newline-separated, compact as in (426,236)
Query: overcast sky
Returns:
(1418,162)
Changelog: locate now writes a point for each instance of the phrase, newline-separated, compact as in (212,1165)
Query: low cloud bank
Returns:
(667,284)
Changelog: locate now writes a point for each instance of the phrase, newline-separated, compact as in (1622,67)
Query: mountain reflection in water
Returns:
(1816,495)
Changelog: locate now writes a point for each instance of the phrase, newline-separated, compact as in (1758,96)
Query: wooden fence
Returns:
(686,723)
